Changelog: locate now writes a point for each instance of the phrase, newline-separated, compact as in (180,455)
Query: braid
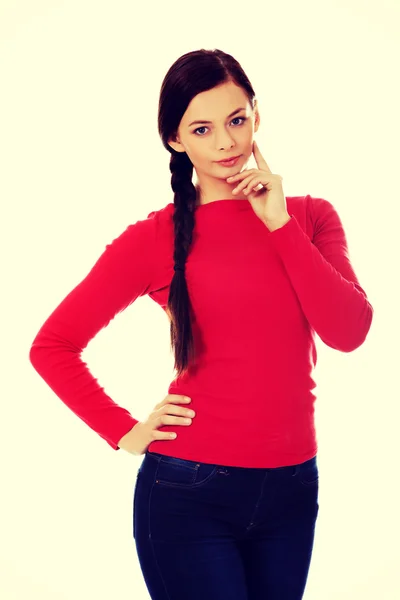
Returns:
(179,309)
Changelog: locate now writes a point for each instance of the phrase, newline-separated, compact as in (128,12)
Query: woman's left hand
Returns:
(268,202)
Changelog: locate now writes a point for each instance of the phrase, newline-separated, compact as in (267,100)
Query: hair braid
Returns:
(184,220)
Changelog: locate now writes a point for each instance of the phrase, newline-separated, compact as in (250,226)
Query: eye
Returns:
(235,119)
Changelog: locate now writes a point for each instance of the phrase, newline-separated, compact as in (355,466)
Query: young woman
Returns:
(225,504)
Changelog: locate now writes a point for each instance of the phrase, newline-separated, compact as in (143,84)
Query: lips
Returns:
(229,164)
(228,159)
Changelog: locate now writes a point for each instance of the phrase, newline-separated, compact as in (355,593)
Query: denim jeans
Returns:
(210,532)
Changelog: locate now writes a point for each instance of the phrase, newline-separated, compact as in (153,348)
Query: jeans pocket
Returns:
(181,473)
(307,473)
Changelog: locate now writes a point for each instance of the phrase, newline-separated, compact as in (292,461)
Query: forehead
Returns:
(216,103)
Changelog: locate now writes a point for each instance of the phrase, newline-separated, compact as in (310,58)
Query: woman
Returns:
(225,504)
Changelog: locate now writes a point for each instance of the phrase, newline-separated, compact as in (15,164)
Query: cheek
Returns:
(192,152)
(199,153)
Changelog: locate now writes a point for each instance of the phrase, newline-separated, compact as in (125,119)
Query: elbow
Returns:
(36,349)
(344,346)
(350,340)
(33,354)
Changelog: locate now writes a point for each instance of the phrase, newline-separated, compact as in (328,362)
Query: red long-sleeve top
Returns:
(258,297)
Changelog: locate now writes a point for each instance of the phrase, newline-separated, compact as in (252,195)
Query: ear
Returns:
(176,144)
(256,117)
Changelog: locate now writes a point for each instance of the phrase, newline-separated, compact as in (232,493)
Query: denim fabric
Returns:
(210,532)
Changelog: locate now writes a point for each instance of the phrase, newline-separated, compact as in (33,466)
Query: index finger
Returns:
(260,160)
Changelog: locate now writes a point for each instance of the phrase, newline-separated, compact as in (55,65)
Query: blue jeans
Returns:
(209,532)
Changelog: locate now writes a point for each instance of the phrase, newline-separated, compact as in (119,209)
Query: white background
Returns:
(80,159)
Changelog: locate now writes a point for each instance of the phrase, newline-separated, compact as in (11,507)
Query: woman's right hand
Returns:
(138,439)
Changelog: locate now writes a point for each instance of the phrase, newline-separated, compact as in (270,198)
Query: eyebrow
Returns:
(231,115)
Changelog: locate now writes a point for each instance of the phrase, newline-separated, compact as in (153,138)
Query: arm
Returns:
(320,271)
(121,274)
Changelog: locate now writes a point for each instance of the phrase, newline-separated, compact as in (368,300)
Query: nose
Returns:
(224,140)
(226,144)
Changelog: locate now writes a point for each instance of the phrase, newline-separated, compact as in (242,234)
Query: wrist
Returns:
(277,223)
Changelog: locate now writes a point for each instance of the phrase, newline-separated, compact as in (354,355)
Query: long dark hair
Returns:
(191,74)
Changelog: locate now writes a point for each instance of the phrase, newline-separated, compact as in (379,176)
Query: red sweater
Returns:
(258,298)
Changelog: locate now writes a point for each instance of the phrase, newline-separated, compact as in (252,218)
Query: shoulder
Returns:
(312,212)
(139,235)
(161,215)
(148,226)
(309,206)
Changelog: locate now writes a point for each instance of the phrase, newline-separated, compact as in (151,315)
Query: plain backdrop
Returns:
(80,159)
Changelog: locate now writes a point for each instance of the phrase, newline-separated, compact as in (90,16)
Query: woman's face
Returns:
(224,136)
